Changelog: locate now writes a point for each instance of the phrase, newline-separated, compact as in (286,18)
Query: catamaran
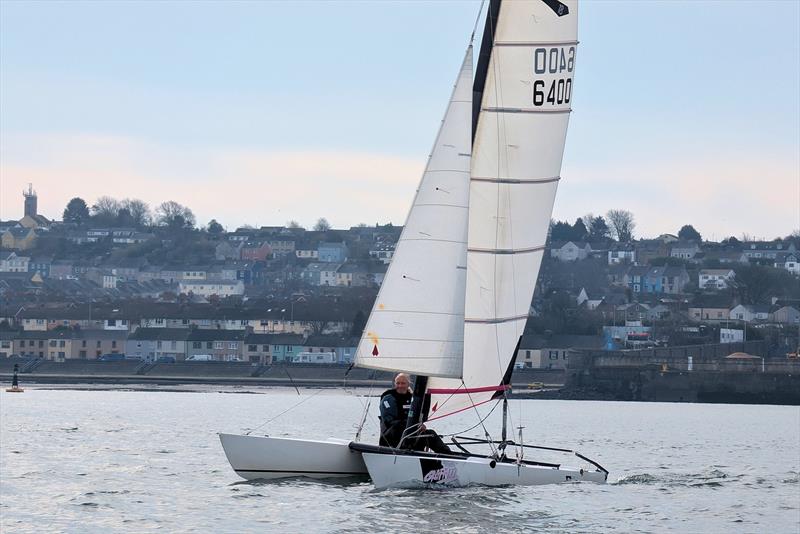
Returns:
(457,294)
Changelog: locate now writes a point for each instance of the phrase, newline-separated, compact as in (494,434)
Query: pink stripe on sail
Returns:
(445,391)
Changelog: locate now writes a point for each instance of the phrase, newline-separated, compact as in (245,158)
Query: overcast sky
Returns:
(261,112)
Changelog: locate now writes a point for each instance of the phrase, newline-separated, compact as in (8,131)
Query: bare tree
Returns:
(622,224)
(171,213)
(105,208)
(139,211)
(293,224)
(322,225)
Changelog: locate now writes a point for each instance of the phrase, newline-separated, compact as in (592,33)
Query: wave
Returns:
(714,478)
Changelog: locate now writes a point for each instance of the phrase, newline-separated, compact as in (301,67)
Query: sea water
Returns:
(139,461)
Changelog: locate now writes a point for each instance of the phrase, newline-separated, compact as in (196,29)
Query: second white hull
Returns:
(254,457)
(403,471)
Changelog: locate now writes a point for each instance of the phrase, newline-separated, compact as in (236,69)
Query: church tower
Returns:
(30,201)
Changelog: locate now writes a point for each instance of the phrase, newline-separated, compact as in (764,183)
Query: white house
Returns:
(789,261)
(684,251)
(731,335)
(12,263)
(592,301)
(571,251)
(750,313)
(715,278)
(621,254)
(207,288)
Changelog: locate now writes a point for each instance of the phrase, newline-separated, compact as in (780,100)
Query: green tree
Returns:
(688,233)
(76,211)
(579,231)
(215,228)
(598,229)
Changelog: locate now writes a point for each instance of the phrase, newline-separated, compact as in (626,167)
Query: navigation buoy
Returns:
(15,382)
(375,350)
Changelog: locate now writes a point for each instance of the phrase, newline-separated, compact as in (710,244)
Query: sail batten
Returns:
(524,84)
(417,322)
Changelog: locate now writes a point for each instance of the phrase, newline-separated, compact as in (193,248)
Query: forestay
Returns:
(417,322)
(524,80)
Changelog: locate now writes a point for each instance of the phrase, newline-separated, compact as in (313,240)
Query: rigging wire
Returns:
(284,411)
(477,21)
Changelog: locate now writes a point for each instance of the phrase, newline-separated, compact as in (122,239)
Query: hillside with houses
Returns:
(108,281)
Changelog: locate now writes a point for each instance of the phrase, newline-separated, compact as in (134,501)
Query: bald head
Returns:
(401,383)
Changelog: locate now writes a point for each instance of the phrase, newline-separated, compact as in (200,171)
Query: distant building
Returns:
(731,335)
(221,345)
(18,238)
(757,250)
(153,343)
(684,251)
(383,252)
(256,251)
(552,352)
(207,288)
(11,263)
(789,261)
(621,253)
(786,315)
(715,278)
(750,313)
(570,251)
(332,252)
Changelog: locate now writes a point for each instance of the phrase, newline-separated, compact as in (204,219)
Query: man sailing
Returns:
(395,404)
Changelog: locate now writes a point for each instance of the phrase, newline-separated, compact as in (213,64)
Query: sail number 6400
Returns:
(559,92)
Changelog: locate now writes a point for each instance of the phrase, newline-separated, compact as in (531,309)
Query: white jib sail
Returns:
(417,321)
(516,165)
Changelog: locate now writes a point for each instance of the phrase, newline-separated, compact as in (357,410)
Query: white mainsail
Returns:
(525,75)
(417,321)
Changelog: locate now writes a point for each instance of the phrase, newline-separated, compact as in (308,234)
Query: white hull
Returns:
(403,471)
(254,457)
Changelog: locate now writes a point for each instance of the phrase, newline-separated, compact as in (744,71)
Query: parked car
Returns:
(166,359)
(111,358)
(200,358)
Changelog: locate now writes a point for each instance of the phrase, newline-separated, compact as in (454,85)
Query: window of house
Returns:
(114,344)
(289,348)
(184,321)
(61,354)
(265,348)
(252,348)
(159,321)
(209,344)
(196,344)
(83,343)
(98,344)
(112,322)
(52,342)
(82,354)
(219,344)
(158,344)
(173,345)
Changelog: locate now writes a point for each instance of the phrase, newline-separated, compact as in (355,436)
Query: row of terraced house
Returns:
(176,345)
